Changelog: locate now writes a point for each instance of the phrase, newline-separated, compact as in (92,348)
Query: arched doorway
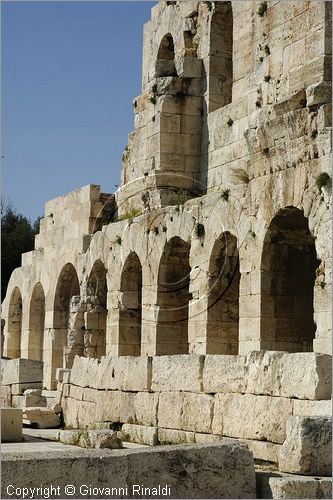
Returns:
(165,64)
(288,270)
(14,325)
(130,314)
(36,323)
(223,297)
(173,298)
(94,336)
(66,317)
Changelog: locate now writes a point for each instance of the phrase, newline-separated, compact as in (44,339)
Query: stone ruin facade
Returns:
(216,244)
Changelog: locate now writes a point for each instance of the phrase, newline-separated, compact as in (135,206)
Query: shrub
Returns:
(199,230)
(262,9)
(241,175)
(323,180)
(225,194)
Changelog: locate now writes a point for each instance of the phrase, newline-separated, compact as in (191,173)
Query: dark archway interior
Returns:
(165,64)
(95,315)
(288,271)
(223,297)
(173,298)
(130,316)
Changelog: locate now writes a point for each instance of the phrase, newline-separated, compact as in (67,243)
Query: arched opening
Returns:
(223,297)
(220,58)
(94,336)
(165,64)
(288,270)
(68,318)
(173,298)
(14,324)
(130,314)
(36,323)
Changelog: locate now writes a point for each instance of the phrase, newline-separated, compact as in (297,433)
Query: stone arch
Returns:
(130,314)
(36,323)
(223,297)
(173,298)
(220,58)
(288,272)
(14,324)
(95,315)
(67,317)
(165,63)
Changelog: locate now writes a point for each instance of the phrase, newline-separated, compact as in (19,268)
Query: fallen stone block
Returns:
(104,439)
(251,417)
(21,371)
(286,486)
(308,446)
(42,418)
(223,373)
(173,436)
(11,425)
(141,434)
(19,389)
(223,470)
(177,373)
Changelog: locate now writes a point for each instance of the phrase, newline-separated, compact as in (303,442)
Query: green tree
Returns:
(17,237)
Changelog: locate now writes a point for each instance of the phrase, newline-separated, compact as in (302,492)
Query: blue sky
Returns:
(70,71)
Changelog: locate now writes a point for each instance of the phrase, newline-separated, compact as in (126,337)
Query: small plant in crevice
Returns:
(322,284)
(225,194)
(230,122)
(258,103)
(241,175)
(266,151)
(155,230)
(267,78)
(323,180)
(153,119)
(261,59)
(164,229)
(129,215)
(148,231)
(152,99)
(252,233)
(154,88)
(177,208)
(314,134)
(118,239)
(262,9)
(267,50)
(199,230)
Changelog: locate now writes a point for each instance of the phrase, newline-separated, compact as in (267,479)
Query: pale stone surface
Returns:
(308,446)
(186,411)
(6,396)
(43,418)
(18,389)
(145,408)
(251,417)
(312,408)
(228,470)
(279,485)
(177,373)
(173,436)
(142,434)
(104,439)
(224,374)
(11,424)
(294,375)
(21,371)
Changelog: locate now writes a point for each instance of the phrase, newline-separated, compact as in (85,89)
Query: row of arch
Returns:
(288,271)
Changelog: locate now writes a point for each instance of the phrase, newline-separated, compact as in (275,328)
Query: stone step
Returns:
(281,485)
(41,418)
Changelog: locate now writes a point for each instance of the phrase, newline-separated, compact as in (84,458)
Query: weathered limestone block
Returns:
(201,438)
(145,408)
(307,408)
(6,395)
(21,371)
(223,470)
(125,373)
(18,389)
(173,436)
(251,417)
(224,373)
(43,418)
(84,372)
(11,424)
(61,373)
(185,411)
(101,438)
(263,450)
(304,375)
(319,93)
(177,373)
(28,400)
(141,434)
(115,406)
(308,446)
(285,486)
(70,410)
